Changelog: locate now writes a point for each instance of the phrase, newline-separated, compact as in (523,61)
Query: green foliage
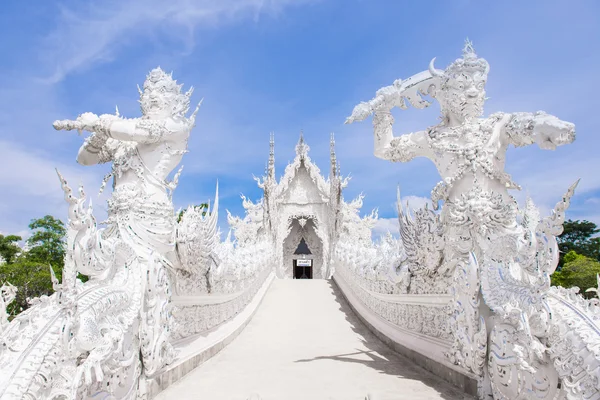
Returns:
(578,270)
(31,278)
(577,236)
(29,271)
(47,243)
(9,248)
(201,206)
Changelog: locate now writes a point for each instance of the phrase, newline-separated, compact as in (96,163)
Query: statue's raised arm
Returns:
(406,147)
(465,146)
(164,108)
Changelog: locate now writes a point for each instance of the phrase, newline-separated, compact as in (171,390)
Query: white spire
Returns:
(333,158)
(302,148)
(271,168)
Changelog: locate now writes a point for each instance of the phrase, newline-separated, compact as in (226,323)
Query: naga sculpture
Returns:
(107,336)
(498,258)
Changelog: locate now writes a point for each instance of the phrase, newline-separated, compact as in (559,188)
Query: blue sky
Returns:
(283,66)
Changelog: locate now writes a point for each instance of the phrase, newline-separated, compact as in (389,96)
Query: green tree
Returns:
(31,278)
(30,272)
(578,270)
(9,248)
(577,236)
(47,243)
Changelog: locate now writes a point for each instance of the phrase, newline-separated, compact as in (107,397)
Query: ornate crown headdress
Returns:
(429,82)
(468,63)
(159,80)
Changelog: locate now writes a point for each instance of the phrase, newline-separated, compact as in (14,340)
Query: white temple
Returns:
(466,294)
(301,211)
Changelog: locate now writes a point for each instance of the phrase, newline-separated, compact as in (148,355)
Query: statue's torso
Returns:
(470,154)
(140,206)
(148,165)
(470,159)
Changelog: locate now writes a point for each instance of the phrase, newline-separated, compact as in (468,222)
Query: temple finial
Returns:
(302,148)
(333,158)
(271,169)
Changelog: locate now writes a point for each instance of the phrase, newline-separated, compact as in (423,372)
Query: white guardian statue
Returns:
(505,329)
(107,336)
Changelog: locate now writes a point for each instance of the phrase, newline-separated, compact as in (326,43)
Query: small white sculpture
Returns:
(197,238)
(7,294)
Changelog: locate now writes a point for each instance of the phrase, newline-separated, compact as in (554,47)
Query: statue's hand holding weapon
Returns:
(94,144)
(85,122)
(88,122)
(385,99)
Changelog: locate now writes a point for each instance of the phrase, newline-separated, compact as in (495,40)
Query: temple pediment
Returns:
(302,182)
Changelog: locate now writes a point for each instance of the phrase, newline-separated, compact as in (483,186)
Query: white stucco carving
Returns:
(7,294)
(302,195)
(197,238)
(388,275)
(109,336)
(499,258)
(468,284)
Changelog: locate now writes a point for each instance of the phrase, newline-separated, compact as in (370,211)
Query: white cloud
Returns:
(31,186)
(385,225)
(91,33)
(416,202)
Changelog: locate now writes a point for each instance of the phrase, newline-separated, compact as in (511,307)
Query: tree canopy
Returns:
(578,270)
(47,243)
(9,247)
(578,236)
(29,270)
(31,278)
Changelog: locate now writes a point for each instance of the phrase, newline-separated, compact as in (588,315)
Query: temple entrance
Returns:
(303,269)
(302,251)
(302,265)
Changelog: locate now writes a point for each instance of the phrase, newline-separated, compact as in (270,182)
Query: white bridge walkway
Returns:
(305,343)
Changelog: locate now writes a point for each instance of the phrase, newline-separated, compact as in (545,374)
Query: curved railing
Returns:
(415,325)
(195,315)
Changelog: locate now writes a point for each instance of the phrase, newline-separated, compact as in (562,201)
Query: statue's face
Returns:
(465,95)
(157,102)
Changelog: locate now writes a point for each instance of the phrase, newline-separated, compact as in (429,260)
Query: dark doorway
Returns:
(302,271)
(302,248)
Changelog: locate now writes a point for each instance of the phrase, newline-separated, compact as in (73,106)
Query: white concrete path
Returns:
(305,343)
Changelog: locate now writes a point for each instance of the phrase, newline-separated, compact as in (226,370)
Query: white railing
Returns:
(415,325)
(421,314)
(198,314)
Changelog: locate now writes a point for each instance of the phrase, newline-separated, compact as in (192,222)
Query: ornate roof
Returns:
(302,160)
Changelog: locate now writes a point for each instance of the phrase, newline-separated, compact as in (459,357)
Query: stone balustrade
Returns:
(198,314)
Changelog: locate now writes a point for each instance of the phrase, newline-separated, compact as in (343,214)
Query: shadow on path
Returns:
(382,358)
